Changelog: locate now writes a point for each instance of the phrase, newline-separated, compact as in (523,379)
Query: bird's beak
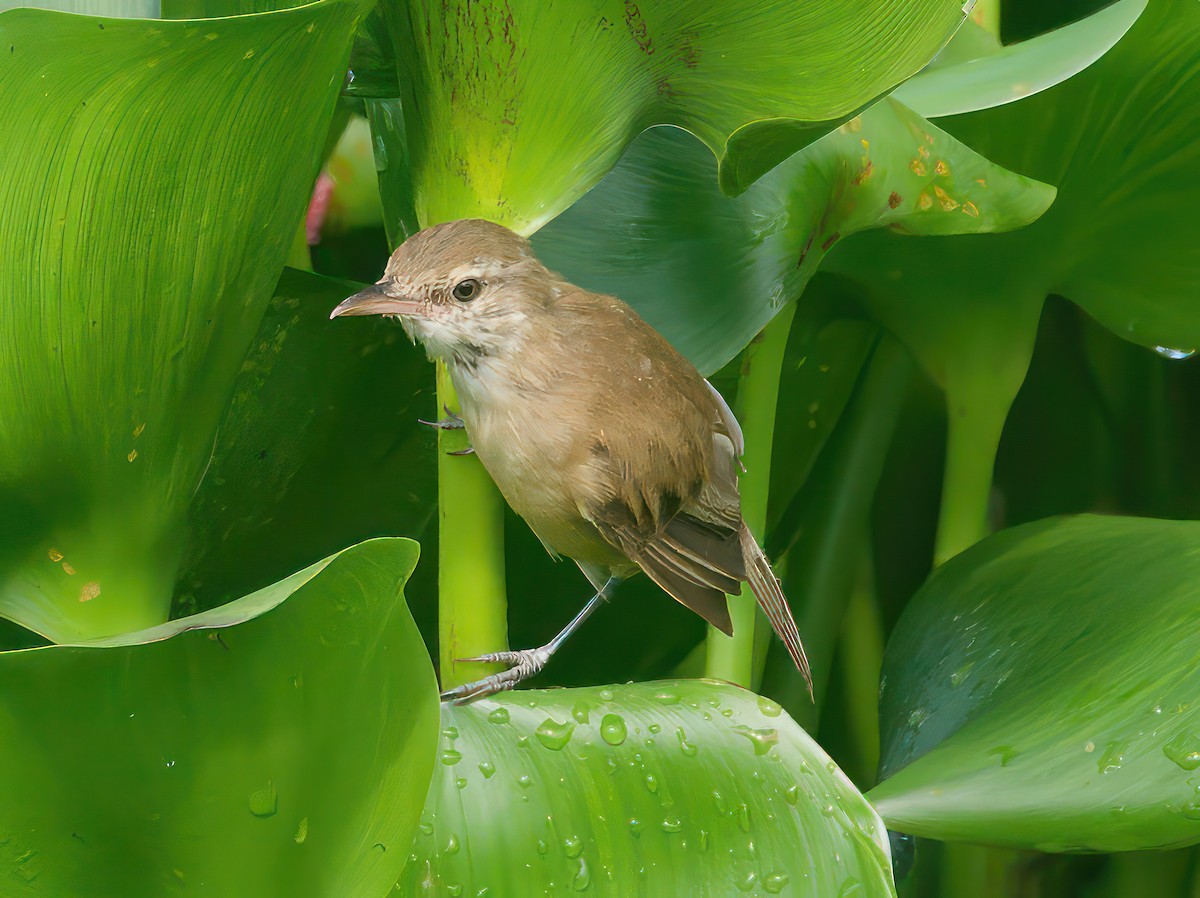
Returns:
(373,301)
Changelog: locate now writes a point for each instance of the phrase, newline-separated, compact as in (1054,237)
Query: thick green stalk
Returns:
(732,658)
(832,516)
(973,437)
(472,608)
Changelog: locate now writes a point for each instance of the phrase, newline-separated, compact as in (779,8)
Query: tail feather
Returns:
(772,601)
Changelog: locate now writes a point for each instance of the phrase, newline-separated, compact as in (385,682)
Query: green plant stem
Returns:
(299,256)
(472,608)
(732,658)
(973,437)
(860,658)
(833,514)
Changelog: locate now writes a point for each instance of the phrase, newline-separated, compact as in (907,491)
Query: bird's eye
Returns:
(465,291)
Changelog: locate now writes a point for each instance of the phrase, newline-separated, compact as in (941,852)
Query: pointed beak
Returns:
(373,301)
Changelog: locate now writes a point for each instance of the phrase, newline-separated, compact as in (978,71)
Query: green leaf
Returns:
(148,211)
(710,272)
(1000,75)
(513,110)
(1040,691)
(320,448)
(1121,141)
(267,747)
(670,788)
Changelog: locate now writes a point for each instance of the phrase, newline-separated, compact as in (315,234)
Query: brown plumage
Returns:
(607,441)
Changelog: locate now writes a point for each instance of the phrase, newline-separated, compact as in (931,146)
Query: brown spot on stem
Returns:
(947,202)
(971,209)
(864,174)
(894,200)
(924,201)
(942,168)
(918,167)
(833,238)
(89,591)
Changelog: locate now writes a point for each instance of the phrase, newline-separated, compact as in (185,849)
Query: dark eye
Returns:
(465,291)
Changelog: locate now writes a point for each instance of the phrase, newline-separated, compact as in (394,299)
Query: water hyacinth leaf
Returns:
(135,271)
(514,109)
(266,747)
(671,788)
(1027,702)
(997,75)
(1121,141)
(320,447)
(709,272)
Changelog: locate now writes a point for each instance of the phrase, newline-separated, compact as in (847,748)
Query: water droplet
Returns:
(768,708)
(542,848)
(580,712)
(573,846)
(488,769)
(1005,752)
(791,794)
(1191,810)
(1184,750)
(762,739)
(555,735)
(583,877)
(851,888)
(264,802)
(451,845)
(170,763)
(451,756)
(450,733)
(460,782)
(654,728)
(1174,354)
(743,817)
(774,883)
(522,742)
(606,695)
(301,832)
(960,676)
(727,712)
(454,889)
(612,729)
(672,824)
(746,883)
(722,806)
(666,697)
(499,715)
(686,747)
(425,827)
(651,782)
(524,781)
(381,154)
(704,840)
(635,825)
(1113,757)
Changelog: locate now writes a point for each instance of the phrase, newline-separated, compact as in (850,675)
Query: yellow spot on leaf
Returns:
(67,567)
(942,168)
(132,455)
(853,126)
(866,144)
(137,431)
(918,168)
(249,53)
(210,37)
(948,203)
(924,201)
(922,152)
(982,182)
(89,591)
(971,209)
(55,555)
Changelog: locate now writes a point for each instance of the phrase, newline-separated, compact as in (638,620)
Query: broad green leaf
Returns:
(1001,75)
(670,788)
(709,272)
(514,109)
(1040,691)
(268,747)
(148,210)
(1121,141)
(320,448)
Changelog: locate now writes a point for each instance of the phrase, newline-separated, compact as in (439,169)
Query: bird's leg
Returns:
(526,662)
(450,422)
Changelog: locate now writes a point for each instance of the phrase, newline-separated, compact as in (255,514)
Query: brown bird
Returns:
(599,434)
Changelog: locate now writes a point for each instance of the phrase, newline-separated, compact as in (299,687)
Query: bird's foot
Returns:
(522,665)
(450,422)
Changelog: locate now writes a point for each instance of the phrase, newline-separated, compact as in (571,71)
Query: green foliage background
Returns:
(930,330)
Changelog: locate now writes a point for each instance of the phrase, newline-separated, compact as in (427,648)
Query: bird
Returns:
(605,439)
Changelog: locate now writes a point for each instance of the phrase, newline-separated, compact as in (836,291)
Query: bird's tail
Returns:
(772,601)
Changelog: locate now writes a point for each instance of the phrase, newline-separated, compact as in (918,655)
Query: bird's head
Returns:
(465,289)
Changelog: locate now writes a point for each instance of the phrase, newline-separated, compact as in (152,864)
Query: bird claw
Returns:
(451,422)
(522,664)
